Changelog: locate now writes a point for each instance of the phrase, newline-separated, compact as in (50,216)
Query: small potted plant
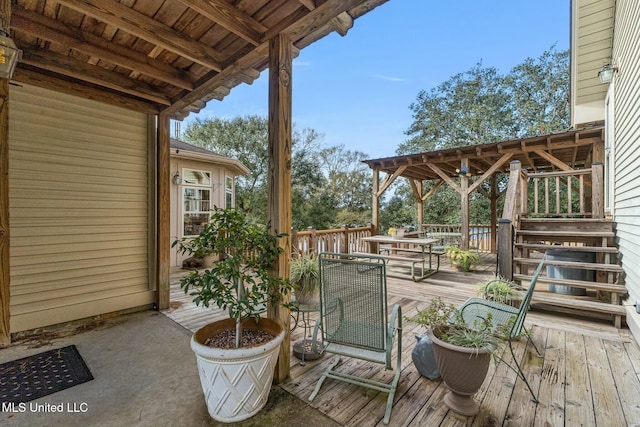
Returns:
(462,352)
(460,259)
(305,275)
(244,346)
(500,290)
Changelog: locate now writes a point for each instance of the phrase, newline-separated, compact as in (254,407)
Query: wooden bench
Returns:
(424,271)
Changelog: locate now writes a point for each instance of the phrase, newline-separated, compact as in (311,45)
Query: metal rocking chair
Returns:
(353,320)
(506,316)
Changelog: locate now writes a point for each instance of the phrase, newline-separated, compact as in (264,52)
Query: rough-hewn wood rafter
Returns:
(81,70)
(139,25)
(230,18)
(46,28)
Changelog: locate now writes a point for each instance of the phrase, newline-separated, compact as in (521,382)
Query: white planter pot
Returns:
(236,382)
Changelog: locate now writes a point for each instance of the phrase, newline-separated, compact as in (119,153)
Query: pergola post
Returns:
(494,211)
(279,177)
(375,203)
(5,330)
(464,204)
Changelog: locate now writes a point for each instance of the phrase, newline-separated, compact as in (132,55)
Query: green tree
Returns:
(329,186)
(470,108)
(540,92)
(246,139)
(482,106)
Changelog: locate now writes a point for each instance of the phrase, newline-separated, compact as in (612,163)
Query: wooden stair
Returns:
(535,236)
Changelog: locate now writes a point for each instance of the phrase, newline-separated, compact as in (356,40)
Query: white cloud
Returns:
(297,63)
(389,78)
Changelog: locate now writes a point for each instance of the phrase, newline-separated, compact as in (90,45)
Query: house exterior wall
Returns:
(626,53)
(79,213)
(591,42)
(218,196)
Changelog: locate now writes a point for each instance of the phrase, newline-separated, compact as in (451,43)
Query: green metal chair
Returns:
(354,320)
(506,316)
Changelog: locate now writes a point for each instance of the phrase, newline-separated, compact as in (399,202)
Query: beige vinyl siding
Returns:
(627,149)
(594,32)
(78,182)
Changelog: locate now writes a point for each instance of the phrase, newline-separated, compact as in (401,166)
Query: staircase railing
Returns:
(560,193)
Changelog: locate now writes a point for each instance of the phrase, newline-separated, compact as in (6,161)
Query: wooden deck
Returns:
(589,374)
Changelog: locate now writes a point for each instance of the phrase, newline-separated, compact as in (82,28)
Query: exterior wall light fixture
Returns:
(177,179)
(606,73)
(9,55)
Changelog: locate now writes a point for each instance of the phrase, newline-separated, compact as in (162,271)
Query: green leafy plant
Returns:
(305,275)
(448,324)
(242,281)
(499,290)
(464,259)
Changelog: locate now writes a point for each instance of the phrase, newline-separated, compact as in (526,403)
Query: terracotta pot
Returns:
(236,382)
(463,371)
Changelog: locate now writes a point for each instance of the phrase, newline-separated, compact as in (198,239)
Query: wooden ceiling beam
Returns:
(445,177)
(208,84)
(389,179)
(341,23)
(504,159)
(48,29)
(554,160)
(137,24)
(71,87)
(80,70)
(298,25)
(229,17)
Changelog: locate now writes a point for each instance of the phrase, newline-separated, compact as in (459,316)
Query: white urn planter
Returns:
(236,382)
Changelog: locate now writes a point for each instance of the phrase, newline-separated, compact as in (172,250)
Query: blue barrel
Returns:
(570,273)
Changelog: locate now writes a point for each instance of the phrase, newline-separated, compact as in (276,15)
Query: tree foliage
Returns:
(328,185)
(481,106)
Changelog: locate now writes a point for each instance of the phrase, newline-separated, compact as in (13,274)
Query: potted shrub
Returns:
(500,290)
(305,275)
(462,352)
(460,259)
(236,356)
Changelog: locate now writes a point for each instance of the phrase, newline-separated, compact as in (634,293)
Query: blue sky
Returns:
(356,90)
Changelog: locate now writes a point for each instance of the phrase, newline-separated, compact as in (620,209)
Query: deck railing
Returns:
(573,193)
(349,239)
(341,240)
(479,235)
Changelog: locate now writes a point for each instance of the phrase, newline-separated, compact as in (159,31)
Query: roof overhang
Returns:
(165,56)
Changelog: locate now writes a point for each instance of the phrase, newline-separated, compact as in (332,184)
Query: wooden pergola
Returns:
(168,58)
(466,168)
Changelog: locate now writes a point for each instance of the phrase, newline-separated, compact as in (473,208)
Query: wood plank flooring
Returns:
(589,374)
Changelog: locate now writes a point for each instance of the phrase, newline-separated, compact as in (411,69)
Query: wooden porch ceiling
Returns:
(567,150)
(163,56)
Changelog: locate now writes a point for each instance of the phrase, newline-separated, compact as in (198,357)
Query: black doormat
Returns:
(39,375)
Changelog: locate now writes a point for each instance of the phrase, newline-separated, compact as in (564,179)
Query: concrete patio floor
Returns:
(144,375)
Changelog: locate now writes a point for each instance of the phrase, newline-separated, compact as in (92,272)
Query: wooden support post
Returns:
(420,206)
(494,212)
(279,177)
(464,205)
(163,235)
(5,294)
(313,241)
(294,242)
(505,249)
(375,209)
(597,190)
(344,240)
